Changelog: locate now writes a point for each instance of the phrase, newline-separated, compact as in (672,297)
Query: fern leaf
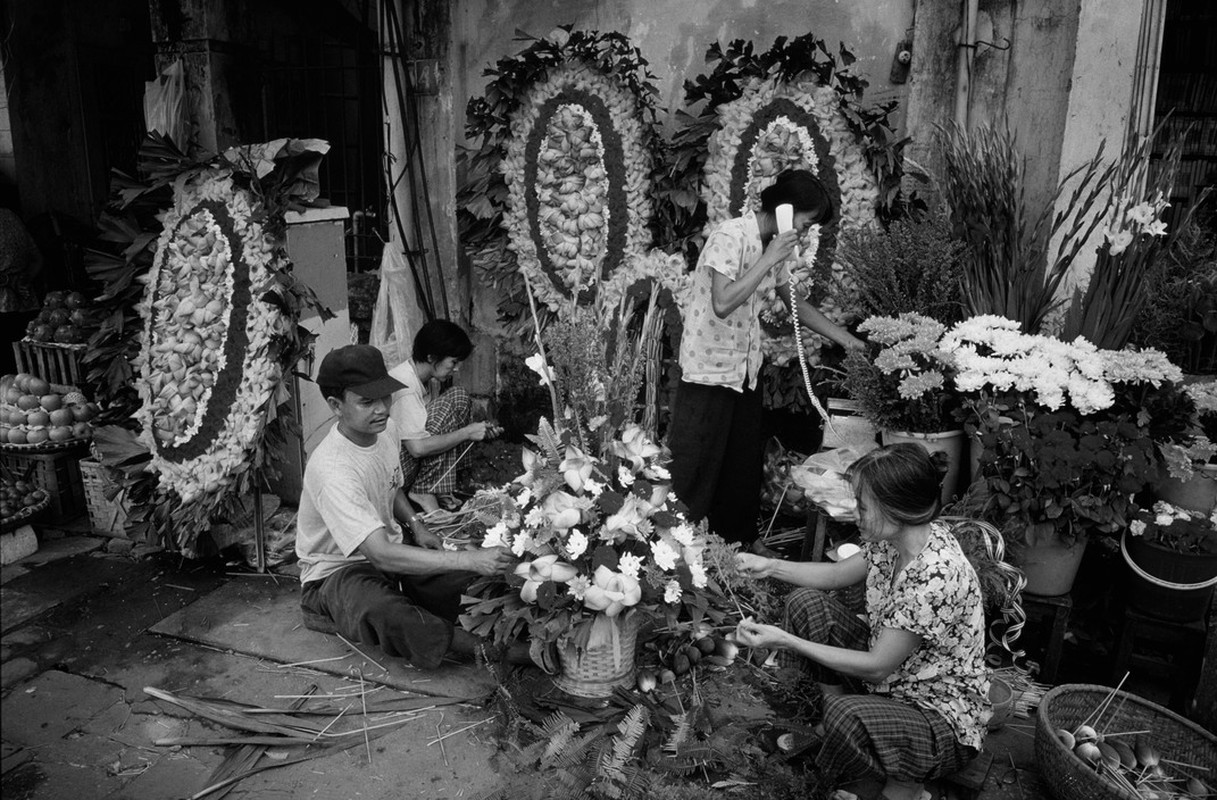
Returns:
(631,728)
(679,735)
(554,723)
(576,750)
(559,740)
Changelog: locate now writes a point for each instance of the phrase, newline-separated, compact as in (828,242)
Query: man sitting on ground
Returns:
(433,425)
(358,575)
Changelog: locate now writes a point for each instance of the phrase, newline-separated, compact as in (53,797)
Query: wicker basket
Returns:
(1070,705)
(596,671)
(58,474)
(107,517)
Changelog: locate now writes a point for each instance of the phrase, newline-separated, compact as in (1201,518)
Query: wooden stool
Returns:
(1181,643)
(1038,607)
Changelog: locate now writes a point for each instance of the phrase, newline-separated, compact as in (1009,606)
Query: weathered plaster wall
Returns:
(673,34)
(1024,78)
(1102,79)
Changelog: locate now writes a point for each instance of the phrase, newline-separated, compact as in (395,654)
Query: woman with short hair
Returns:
(715,434)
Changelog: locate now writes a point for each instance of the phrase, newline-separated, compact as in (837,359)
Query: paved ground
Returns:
(80,644)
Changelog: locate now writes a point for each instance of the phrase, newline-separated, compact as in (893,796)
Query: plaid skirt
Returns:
(866,734)
(434,474)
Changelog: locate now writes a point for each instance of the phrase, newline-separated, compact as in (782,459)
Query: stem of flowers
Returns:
(536,322)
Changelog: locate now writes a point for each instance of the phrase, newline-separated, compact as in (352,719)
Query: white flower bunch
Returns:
(1131,221)
(991,352)
(565,514)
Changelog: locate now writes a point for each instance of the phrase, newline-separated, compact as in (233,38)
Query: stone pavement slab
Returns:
(260,617)
(53,705)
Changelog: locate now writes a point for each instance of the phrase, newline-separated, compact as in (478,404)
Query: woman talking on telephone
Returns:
(715,435)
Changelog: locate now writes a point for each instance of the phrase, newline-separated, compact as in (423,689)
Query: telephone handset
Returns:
(785,219)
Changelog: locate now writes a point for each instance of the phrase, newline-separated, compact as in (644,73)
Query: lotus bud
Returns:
(667,676)
(1088,752)
(646,680)
(1110,755)
(1146,753)
(1197,788)
(1085,733)
(1065,738)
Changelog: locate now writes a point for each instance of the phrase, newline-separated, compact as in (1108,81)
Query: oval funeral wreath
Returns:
(205,352)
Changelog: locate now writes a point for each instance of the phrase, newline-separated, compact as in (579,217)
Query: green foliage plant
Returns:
(1178,314)
(913,265)
(1106,308)
(1012,269)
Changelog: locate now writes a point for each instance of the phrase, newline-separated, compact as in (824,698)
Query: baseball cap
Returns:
(360,368)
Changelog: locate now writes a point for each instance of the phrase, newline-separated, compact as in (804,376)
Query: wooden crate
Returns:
(57,473)
(54,363)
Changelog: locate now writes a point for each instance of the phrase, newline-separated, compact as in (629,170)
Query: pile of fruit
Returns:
(34,412)
(680,655)
(1137,768)
(16,496)
(65,318)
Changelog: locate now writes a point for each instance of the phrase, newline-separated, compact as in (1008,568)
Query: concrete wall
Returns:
(673,34)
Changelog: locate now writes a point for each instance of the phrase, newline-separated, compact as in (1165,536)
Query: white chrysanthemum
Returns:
(576,543)
(665,557)
(497,536)
(672,592)
(629,564)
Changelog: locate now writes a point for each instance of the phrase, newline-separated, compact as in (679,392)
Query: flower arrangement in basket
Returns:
(603,543)
(1175,528)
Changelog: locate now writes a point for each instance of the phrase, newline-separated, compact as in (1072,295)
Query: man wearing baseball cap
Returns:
(359,575)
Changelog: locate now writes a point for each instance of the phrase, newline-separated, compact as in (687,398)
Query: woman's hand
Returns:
(755,566)
(781,247)
(753,634)
(851,342)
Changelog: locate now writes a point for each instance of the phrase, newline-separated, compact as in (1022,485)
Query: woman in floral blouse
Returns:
(905,690)
(715,436)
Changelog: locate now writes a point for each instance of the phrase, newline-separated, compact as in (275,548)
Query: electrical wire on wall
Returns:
(414,171)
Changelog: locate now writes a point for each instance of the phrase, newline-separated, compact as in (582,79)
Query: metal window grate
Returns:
(323,85)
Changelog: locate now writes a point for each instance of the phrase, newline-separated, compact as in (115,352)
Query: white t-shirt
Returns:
(348,494)
(409,404)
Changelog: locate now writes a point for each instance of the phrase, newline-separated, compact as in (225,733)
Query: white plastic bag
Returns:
(165,104)
(395,318)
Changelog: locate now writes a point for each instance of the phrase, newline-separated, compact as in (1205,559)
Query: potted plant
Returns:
(1188,473)
(901,385)
(913,265)
(1171,553)
(1066,437)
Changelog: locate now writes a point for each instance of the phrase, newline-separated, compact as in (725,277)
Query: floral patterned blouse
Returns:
(936,596)
(726,352)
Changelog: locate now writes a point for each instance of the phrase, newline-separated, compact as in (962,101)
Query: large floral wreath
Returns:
(205,364)
(577,177)
(777,125)
(202,330)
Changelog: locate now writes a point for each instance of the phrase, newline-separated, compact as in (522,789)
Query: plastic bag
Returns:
(165,104)
(394,319)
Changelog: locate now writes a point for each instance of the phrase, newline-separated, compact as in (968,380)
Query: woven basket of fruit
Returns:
(1096,743)
(39,416)
(20,501)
